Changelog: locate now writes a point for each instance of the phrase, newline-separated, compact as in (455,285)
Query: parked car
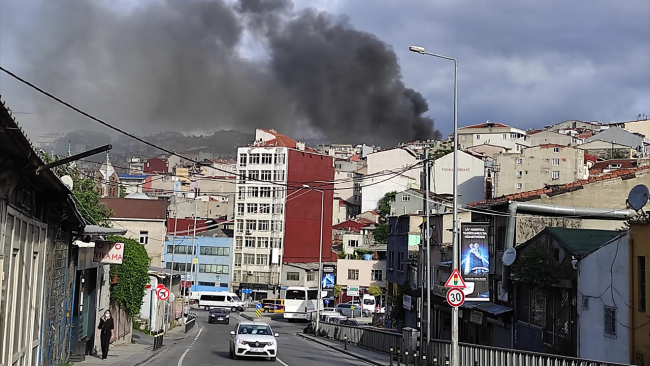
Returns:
(219,316)
(251,339)
(346,310)
(351,322)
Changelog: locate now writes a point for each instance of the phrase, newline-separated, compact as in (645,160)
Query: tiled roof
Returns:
(532,132)
(354,225)
(354,158)
(279,140)
(565,188)
(126,208)
(590,158)
(485,125)
(548,146)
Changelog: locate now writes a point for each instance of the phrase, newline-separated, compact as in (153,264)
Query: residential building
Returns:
(278,215)
(398,164)
(107,180)
(489,150)
(219,168)
(493,133)
(135,183)
(607,150)
(576,125)
(639,326)
(603,325)
(215,259)
(554,138)
(305,274)
(361,272)
(472,172)
(641,127)
(622,137)
(136,165)
(155,166)
(342,210)
(547,319)
(347,186)
(411,201)
(537,167)
(47,141)
(144,220)
(606,166)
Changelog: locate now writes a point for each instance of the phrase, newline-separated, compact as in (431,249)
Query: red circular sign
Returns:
(455,297)
(163,293)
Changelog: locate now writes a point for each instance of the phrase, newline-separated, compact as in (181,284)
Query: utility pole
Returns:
(428,242)
(171,270)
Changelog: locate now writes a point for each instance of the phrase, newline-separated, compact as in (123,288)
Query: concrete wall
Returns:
(642,127)
(302,276)
(365,272)
(156,231)
(471,173)
(374,189)
(550,137)
(640,347)
(339,212)
(393,159)
(607,266)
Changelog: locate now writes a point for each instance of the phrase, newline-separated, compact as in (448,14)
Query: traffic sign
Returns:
(455,297)
(258,306)
(160,285)
(327,301)
(163,293)
(455,280)
(195,260)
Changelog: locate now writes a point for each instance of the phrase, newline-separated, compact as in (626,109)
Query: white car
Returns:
(250,339)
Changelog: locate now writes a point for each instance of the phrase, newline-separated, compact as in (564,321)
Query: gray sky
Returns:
(523,63)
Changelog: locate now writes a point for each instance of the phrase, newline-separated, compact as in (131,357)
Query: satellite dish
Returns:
(67,181)
(638,197)
(509,256)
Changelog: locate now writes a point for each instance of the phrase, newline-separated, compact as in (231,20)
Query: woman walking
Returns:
(106,332)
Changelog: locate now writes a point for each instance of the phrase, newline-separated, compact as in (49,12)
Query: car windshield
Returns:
(235,298)
(221,311)
(369,301)
(254,329)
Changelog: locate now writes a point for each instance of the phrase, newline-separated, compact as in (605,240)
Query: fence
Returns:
(191,321)
(471,354)
(372,339)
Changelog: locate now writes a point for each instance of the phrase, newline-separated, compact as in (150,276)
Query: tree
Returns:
(536,266)
(374,291)
(338,290)
(381,233)
(384,204)
(132,275)
(88,203)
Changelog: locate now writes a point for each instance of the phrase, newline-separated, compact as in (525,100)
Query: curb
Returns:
(339,349)
(246,316)
(163,349)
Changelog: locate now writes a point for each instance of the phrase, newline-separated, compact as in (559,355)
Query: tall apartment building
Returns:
(278,219)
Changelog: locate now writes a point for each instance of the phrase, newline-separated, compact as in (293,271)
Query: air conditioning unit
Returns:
(248,233)
(250,273)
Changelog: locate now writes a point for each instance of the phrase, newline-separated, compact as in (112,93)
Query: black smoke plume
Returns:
(178,65)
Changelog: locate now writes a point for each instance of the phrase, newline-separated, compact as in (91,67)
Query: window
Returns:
(278,209)
(556,162)
(267,158)
(180,249)
(236,275)
(610,321)
(556,150)
(278,192)
(263,225)
(353,243)
(221,251)
(377,275)
(240,209)
(278,175)
(519,161)
(276,225)
(239,225)
(238,259)
(406,198)
(242,177)
(262,242)
(478,137)
(253,191)
(310,276)
(265,191)
(276,243)
(144,237)
(265,208)
(254,159)
(266,175)
(250,243)
(251,224)
(263,259)
(242,159)
(279,158)
(238,243)
(211,284)
(353,274)
(642,285)
(519,173)
(555,174)
(400,261)
(254,174)
(505,136)
(519,185)
(513,135)
(613,166)
(293,276)
(249,258)
(241,193)
(214,268)
(251,208)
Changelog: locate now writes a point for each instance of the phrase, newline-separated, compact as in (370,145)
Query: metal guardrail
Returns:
(372,339)
(191,321)
(158,339)
(475,355)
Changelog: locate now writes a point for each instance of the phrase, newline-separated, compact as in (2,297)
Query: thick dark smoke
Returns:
(177,65)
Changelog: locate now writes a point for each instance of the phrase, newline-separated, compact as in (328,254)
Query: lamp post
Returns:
(455,351)
(320,256)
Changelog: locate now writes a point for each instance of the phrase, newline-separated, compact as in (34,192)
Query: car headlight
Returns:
(272,343)
(228,316)
(239,340)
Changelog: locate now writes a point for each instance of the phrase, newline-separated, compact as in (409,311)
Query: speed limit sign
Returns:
(455,297)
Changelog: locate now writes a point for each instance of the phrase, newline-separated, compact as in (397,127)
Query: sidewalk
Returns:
(136,353)
(354,351)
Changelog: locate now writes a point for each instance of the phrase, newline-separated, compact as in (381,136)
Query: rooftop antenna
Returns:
(638,197)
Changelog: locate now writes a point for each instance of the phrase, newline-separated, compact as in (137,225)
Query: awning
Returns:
(99,230)
(487,306)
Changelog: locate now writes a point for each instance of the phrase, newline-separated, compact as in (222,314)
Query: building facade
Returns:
(551,137)
(493,133)
(471,177)
(639,350)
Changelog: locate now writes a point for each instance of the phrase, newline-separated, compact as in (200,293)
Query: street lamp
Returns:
(320,256)
(455,351)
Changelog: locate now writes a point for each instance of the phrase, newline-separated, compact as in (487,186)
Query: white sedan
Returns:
(250,339)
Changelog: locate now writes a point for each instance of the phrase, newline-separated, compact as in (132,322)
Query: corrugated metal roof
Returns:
(581,241)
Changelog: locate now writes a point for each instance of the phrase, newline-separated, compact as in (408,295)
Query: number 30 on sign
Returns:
(455,297)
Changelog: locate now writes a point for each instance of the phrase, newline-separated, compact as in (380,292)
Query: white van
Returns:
(368,303)
(230,300)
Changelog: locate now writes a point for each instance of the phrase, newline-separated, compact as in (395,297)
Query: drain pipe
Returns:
(560,211)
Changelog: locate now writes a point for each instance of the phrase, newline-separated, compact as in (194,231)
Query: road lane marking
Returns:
(198,335)
(282,362)
(180,360)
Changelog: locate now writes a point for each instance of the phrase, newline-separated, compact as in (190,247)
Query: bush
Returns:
(132,276)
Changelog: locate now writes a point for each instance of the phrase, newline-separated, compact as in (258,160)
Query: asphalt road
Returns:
(209,346)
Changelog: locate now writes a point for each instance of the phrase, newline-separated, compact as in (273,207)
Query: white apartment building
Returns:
(492,133)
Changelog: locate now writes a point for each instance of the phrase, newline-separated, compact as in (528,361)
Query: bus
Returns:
(299,303)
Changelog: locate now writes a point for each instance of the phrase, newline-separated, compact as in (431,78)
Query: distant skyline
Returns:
(526,65)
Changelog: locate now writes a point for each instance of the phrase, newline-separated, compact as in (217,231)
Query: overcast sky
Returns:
(523,63)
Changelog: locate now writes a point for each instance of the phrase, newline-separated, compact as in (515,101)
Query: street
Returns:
(209,346)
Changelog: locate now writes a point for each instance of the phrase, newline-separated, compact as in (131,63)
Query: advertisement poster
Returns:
(475,260)
(328,280)
(108,252)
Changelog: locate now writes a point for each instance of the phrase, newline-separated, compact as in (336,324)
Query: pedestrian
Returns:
(106,332)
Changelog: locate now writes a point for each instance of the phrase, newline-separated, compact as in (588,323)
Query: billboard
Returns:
(108,252)
(328,281)
(475,260)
